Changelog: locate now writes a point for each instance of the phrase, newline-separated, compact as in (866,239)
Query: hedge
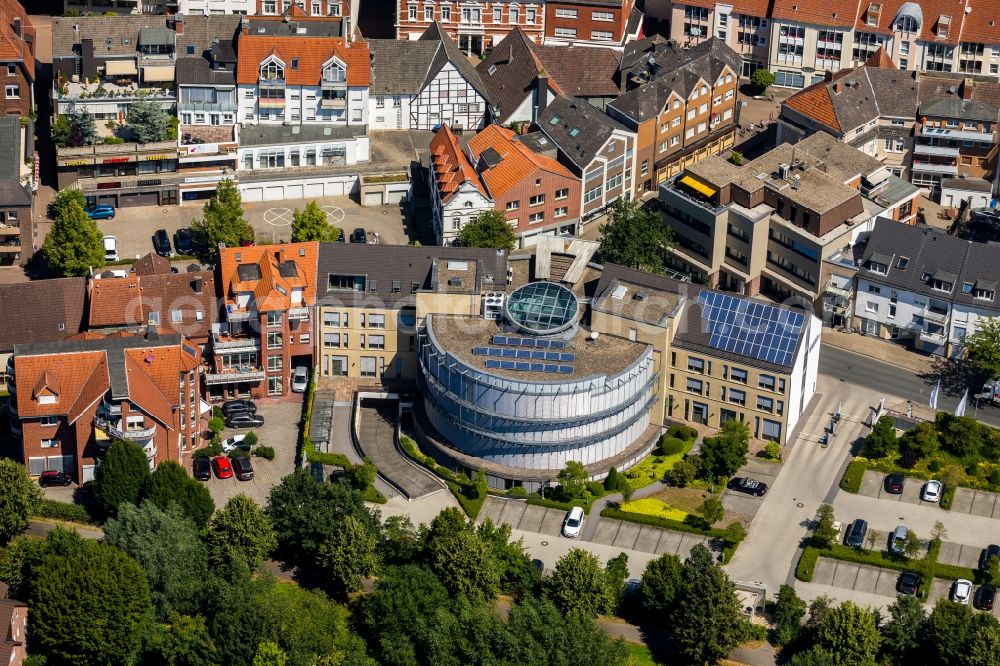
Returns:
(807,564)
(56,510)
(728,544)
(372,495)
(471,505)
(586,504)
(682,432)
(853,476)
(948,497)
(265,452)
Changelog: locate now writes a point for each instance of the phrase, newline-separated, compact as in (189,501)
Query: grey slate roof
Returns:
(579,129)
(62,301)
(930,252)
(973,184)
(449,52)
(582,71)
(514,70)
(956,107)
(385,264)
(12,192)
(191,70)
(67,31)
(407,67)
(267,135)
(201,31)
(292,28)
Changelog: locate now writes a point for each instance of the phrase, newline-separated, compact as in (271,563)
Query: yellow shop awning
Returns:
(120,67)
(158,74)
(698,187)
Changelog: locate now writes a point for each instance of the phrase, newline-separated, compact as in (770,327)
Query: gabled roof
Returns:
(956,107)
(112,37)
(60,318)
(310,53)
(93,389)
(452,168)
(817,12)
(201,32)
(516,161)
(581,71)
(510,71)
(450,53)
(956,86)
(71,371)
(269,270)
(15,48)
(407,67)
(930,13)
(578,129)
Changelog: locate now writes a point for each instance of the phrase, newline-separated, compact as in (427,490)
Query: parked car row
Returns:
(224,468)
(931,491)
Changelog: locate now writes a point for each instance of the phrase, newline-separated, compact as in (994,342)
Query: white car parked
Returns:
(573,523)
(932,491)
(232,443)
(110,248)
(961,591)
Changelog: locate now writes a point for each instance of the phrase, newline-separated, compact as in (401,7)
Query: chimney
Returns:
(196,284)
(179,25)
(837,88)
(542,92)
(966,89)
(828,76)
(15,23)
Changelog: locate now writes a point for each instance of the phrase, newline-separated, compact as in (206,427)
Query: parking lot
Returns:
(973,502)
(747,505)
(280,431)
(616,533)
(860,577)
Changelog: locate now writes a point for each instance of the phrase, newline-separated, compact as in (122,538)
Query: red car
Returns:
(223,468)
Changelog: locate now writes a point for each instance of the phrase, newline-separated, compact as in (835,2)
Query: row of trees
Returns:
(962,437)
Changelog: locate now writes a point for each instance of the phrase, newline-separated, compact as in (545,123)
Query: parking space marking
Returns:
(334,214)
(278,217)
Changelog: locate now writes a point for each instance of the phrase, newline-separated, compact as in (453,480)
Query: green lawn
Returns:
(653,507)
(640,655)
(654,467)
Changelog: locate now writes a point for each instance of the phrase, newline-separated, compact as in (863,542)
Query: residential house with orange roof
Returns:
(17,56)
(268,292)
(13,629)
(539,196)
(458,195)
(70,399)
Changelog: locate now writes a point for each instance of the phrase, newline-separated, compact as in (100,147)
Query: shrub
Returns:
(697,522)
(250,439)
(682,432)
(595,488)
(995,478)
(216,424)
(613,480)
(853,476)
(564,506)
(50,508)
(807,565)
(670,446)
(683,473)
(517,491)
(934,465)
(734,532)
(773,451)
(265,452)
(947,497)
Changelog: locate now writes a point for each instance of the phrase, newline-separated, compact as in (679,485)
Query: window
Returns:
(445,13)
(395,286)
(537,200)
(513,205)
(367,366)
(497,14)
(696,364)
(274,340)
(675,122)
(331,319)
(50,443)
(274,386)
(738,375)
(48,421)
(535,218)
(737,397)
(429,13)
(331,339)
(565,32)
(982,294)
(376,342)
(273,319)
(529,15)
(766,382)
(562,212)
(871,306)
(380,102)
(274,363)
(601,35)
(176,316)
(377,320)
(695,386)
(12,92)
(412,14)
(566,13)
(674,140)
(603,16)
(770,430)
(765,404)
(644,167)
(562,194)
(872,289)
(513,15)
(272,71)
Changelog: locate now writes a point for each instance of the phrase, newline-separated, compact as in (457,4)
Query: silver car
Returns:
(300,379)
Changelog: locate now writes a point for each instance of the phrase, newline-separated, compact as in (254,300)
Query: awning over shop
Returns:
(698,187)
(156,74)
(120,67)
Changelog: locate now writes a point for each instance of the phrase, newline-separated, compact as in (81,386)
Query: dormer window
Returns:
(903,263)
(272,71)
(877,267)
(907,24)
(943,24)
(334,73)
(982,294)
(941,285)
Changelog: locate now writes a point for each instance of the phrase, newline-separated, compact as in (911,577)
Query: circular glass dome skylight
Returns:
(542,308)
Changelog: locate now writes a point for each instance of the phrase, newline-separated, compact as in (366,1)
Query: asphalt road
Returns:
(854,368)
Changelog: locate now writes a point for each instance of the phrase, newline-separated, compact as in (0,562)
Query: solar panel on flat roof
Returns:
(538,367)
(565,369)
(567,357)
(759,330)
(521,365)
(539,355)
(552,356)
(549,367)
(495,351)
(509,353)
(542,344)
(508,365)
(480,351)
(499,339)
(557,344)
(490,363)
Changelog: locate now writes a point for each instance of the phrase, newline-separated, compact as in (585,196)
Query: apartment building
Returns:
(475,27)
(268,293)
(596,148)
(70,399)
(593,22)
(539,196)
(425,83)
(458,195)
(766,226)
(743,25)
(682,106)
(14,631)
(921,286)
(17,58)
(17,185)
(522,77)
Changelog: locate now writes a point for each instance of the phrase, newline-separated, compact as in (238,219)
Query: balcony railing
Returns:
(233,343)
(116,431)
(833,288)
(934,338)
(956,133)
(933,167)
(218,107)
(234,376)
(936,316)
(234,314)
(943,151)
(336,103)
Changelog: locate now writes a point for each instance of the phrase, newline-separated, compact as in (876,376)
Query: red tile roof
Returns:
(268,287)
(932,11)
(983,23)
(311,52)
(822,12)
(12,47)
(814,102)
(116,302)
(517,160)
(451,167)
(152,380)
(71,371)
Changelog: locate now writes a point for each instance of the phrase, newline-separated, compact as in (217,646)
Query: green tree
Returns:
(918,442)
(183,641)
(518,575)
(612,480)
(615,573)
(311,225)
(825,535)
(875,539)
(541,636)
(222,222)
(913,546)
(961,435)
(82,130)
(74,244)
(573,480)
(881,441)
(170,484)
(146,122)
(707,623)
(349,555)
(578,584)
(985,644)
(682,473)
(712,511)
(466,565)
(240,530)
(903,633)
(60,131)
(400,542)
(489,229)
(18,497)
(89,604)
(634,237)
(662,583)
(850,634)
(789,610)
(269,654)
(120,478)
(167,545)
(947,633)
(64,200)
(763,79)
(726,452)
(983,347)
(362,476)
(814,656)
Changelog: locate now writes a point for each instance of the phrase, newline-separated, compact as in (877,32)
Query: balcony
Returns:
(938,339)
(957,134)
(234,376)
(229,342)
(933,167)
(235,314)
(271,102)
(10,247)
(837,290)
(271,83)
(942,151)
(837,306)
(936,316)
(9,230)
(209,107)
(335,103)
(105,91)
(298,313)
(116,429)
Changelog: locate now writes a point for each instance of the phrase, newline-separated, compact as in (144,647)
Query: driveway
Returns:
(747,505)
(860,577)
(873,485)
(280,431)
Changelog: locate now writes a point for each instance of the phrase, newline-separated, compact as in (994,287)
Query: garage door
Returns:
(109,199)
(274,193)
(314,190)
(253,194)
(293,192)
(396,196)
(333,189)
(373,198)
(147,199)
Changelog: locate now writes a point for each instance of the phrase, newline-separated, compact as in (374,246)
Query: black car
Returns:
(894,483)
(991,550)
(748,486)
(161,243)
(202,469)
(341,236)
(53,478)
(243,468)
(908,583)
(184,241)
(985,596)
(359,236)
(856,533)
(244,420)
(230,407)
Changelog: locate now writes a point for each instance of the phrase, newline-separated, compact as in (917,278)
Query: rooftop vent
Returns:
(783,171)
(454,282)
(619,292)
(640,296)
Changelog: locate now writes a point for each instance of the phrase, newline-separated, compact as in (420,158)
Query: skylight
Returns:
(575,131)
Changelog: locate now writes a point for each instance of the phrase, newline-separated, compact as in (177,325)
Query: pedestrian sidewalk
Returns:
(881,350)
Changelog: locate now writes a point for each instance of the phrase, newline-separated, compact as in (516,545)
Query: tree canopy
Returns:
(241,531)
(726,452)
(634,237)
(762,78)
(983,347)
(881,441)
(222,221)
(707,623)
(577,585)
(18,497)
(121,476)
(349,555)
(74,244)
(146,122)
(74,130)
(170,484)
(489,229)
(311,224)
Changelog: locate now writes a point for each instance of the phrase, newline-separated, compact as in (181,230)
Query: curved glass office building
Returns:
(529,401)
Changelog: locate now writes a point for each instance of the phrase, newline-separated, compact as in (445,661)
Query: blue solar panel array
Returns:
(537,343)
(534,355)
(750,328)
(551,368)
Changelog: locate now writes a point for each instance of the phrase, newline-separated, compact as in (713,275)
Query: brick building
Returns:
(17,58)
(599,22)
(476,28)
